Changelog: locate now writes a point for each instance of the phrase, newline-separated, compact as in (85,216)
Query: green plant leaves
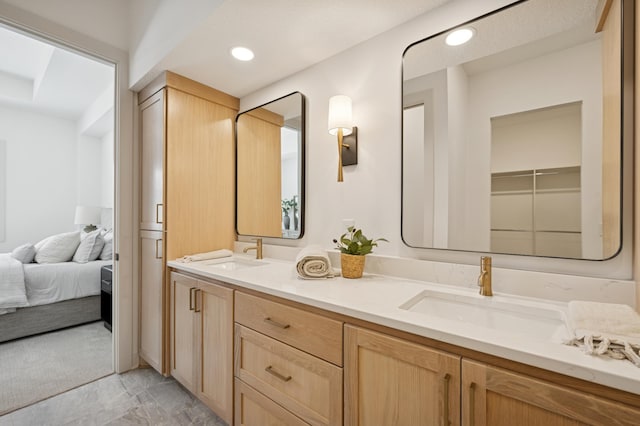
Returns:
(356,243)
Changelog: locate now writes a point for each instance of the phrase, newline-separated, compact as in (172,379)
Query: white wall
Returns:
(49,170)
(41,176)
(88,171)
(107,172)
(371,74)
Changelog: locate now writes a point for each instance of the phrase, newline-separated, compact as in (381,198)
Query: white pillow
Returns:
(57,248)
(90,247)
(107,250)
(24,253)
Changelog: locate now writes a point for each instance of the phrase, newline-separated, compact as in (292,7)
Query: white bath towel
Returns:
(605,329)
(313,263)
(216,254)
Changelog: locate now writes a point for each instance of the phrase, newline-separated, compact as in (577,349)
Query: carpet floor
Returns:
(35,368)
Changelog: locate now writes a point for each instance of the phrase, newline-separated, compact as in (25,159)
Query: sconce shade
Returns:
(86,215)
(340,116)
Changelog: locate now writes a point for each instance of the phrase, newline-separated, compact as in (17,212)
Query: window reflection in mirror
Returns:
(512,141)
(270,169)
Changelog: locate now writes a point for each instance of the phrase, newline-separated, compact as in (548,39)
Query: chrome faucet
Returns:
(257,248)
(484,280)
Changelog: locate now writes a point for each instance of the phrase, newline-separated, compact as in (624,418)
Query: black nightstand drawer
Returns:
(106,290)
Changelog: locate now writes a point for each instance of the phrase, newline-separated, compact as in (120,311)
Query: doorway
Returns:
(58,131)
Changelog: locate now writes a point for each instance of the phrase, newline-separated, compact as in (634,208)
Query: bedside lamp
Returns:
(340,124)
(86,215)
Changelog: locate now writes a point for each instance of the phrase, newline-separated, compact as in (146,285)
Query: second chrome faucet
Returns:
(484,280)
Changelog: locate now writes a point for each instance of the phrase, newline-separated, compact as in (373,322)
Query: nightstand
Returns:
(106,291)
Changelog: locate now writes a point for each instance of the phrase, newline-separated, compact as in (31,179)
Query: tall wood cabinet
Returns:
(186,191)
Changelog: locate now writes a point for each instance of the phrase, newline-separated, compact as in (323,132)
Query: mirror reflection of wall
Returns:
(269,164)
(554,65)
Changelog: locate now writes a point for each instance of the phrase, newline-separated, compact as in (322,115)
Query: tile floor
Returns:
(138,397)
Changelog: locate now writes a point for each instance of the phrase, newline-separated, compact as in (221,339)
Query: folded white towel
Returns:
(313,262)
(216,254)
(606,329)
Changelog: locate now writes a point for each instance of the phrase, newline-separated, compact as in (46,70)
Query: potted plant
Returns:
(286,220)
(353,246)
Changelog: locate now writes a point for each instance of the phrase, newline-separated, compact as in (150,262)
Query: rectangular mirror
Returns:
(270,169)
(512,141)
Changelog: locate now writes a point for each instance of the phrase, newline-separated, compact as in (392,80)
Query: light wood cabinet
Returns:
(389,381)
(151,306)
(307,386)
(282,356)
(152,162)
(186,189)
(307,331)
(202,341)
(252,408)
(496,397)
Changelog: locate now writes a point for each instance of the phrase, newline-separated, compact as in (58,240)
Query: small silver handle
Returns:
(268,320)
(446,400)
(158,215)
(191,307)
(273,372)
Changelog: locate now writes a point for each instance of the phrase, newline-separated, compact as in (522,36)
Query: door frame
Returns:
(125,294)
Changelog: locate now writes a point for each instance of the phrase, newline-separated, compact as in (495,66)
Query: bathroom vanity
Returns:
(383,350)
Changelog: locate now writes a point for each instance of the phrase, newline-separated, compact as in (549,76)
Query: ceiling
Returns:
(287,36)
(41,77)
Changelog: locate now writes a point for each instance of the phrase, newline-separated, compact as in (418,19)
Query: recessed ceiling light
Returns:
(460,36)
(242,53)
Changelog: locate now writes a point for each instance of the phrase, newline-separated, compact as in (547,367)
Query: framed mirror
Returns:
(512,141)
(270,155)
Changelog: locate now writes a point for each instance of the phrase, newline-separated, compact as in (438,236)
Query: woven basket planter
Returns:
(352,265)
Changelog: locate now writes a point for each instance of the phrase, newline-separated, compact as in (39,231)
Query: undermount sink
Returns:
(497,313)
(233,264)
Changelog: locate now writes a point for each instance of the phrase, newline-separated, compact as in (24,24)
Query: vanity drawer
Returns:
(305,385)
(309,332)
(253,408)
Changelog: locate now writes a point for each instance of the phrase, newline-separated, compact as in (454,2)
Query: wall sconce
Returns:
(340,123)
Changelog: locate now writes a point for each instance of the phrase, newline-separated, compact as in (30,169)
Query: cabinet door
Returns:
(152,141)
(214,308)
(390,381)
(496,397)
(253,408)
(151,298)
(183,321)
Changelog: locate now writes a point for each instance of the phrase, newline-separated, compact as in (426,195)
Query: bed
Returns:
(41,297)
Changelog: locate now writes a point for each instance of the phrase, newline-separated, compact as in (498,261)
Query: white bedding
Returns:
(12,284)
(55,282)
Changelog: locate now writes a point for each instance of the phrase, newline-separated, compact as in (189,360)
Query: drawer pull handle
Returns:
(447,377)
(268,320)
(196,304)
(273,372)
(191,307)
(472,404)
(158,214)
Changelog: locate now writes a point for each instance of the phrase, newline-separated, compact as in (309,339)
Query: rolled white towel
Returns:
(605,329)
(313,262)
(216,254)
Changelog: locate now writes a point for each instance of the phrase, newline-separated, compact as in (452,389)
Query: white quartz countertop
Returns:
(377,299)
